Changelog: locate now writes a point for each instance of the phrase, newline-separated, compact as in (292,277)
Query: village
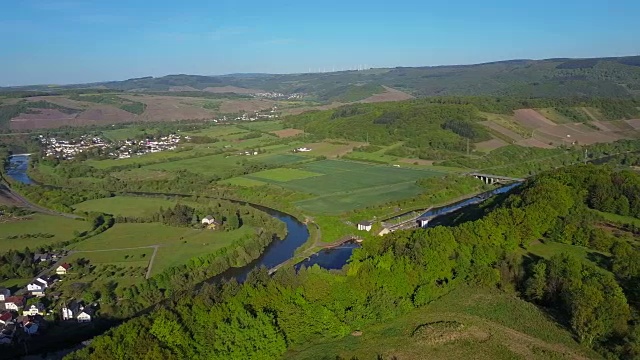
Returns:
(25,312)
(278,96)
(69,149)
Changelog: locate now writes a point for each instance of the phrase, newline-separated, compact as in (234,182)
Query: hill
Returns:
(599,77)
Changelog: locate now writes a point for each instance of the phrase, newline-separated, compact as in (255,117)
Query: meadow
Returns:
(467,323)
(175,245)
(133,206)
(340,186)
(62,229)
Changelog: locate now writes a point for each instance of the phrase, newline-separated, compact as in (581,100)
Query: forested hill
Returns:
(438,128)
(547,243)
(601,77)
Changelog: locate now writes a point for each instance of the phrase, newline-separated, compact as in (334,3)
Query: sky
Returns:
(79,41)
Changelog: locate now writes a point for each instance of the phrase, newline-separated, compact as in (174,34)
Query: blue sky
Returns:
(55,42)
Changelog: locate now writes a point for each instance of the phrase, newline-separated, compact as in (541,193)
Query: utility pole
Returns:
(367,138)
(467,146)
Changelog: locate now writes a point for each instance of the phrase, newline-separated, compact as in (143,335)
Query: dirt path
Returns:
(153,257)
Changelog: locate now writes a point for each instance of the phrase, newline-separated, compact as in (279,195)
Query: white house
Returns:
(303,149)
(4,294)
(208,220)
(62,269)
(365,225)
(85,315)
(36,287)
(34,309)
(423,222)
(70,310)
(14,303)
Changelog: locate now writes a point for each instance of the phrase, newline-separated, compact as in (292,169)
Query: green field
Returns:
(212,165)
(284,174)
(176,245)
(278,159)
(468,323)
(341,186)
(133,206)
(124,258)
(358,199)
(62,228)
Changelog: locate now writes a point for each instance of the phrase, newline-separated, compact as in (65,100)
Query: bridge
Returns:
(494,179)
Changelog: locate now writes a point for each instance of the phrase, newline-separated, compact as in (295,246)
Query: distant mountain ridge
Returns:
(560,77)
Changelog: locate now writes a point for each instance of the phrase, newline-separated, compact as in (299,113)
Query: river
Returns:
(297,233)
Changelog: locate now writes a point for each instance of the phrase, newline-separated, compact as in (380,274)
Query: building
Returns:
(34,309)
(384,232)
(208,220)
(71,310)
(423,222)
(4,294)
(85,315)
(41,257)
(365,225)
(62,269)
(14,303)
(5,318)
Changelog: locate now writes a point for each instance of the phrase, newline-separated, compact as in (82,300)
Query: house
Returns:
(14,303)
(62,269)
(5,318)
(38,286)
(41,257)
(423,222)
(71,310)
(384,232)
(31,328)
(208,220)
(85,315)
(4,294)
(303,149)
(34,309)
(365,225)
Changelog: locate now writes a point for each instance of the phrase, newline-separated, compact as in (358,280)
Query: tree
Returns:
(537,283)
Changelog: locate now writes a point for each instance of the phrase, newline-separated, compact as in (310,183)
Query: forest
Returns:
(405,270)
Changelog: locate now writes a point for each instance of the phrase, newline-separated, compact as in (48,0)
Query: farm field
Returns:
(467,323)
(133,206)
(330,148)
(211,165)
(340,185)
(175,245)
(61,228)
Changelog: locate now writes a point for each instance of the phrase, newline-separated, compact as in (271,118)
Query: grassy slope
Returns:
(61,228)
(495,326)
